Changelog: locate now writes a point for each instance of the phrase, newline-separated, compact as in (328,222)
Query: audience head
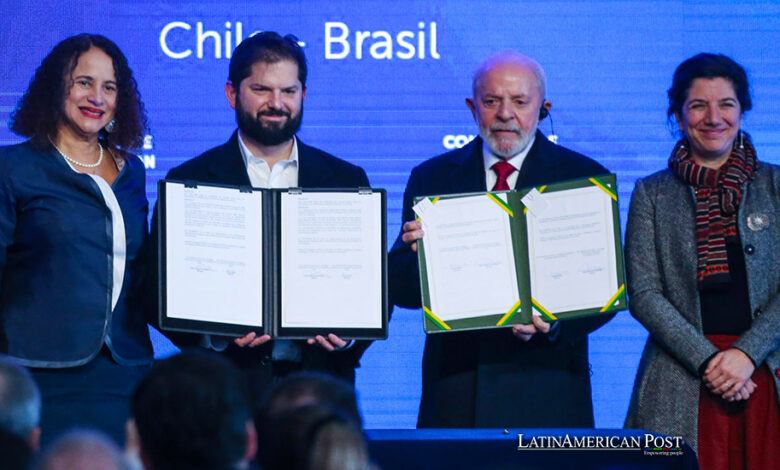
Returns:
(314,437)
(310,388)
(82,450)
(15,453)
(20,402)
(191,412)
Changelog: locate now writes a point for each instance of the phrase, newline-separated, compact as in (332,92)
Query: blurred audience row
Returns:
(192,412)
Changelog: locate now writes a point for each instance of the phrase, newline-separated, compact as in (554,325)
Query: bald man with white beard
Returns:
(534,375)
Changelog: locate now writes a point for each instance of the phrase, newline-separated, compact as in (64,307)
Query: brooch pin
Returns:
(757,221)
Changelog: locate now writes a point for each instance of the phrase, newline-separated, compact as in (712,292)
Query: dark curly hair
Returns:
(41,107)
(710,66)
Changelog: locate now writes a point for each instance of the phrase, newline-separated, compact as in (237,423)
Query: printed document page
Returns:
(571,250)
(214,254)
(331,260)
(470,264)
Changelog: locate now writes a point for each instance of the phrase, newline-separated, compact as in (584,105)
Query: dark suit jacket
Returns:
(56,262)
(490,378)
(317,169)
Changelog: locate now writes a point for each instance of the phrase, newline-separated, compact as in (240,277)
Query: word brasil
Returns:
(381,44)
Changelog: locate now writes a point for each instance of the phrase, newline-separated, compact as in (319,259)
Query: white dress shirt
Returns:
(284,174)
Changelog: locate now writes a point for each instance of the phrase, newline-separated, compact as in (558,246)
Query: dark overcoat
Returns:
(490,378)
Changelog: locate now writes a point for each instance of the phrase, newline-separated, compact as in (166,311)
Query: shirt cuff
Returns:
(347,346)
(215,343)
(555,330)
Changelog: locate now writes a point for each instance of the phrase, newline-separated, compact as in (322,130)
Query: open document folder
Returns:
(494,259)
(291,263)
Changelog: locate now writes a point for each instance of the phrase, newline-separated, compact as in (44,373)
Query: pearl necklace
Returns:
(76,162)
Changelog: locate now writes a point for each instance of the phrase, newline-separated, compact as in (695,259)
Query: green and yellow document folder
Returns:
(490,260)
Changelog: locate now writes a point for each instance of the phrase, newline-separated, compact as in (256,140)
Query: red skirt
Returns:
(742,434)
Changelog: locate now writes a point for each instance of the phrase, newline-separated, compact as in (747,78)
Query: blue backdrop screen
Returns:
(386,90)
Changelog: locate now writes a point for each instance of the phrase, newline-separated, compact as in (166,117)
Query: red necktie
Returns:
(502,170)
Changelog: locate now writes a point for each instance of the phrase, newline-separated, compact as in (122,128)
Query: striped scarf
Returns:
(718,194)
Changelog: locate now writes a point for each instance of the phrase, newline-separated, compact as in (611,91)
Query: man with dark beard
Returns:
(267,87)
(534,375)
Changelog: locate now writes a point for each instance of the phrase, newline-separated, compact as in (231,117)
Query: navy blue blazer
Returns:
(317,169)
(56,254)
(490,378)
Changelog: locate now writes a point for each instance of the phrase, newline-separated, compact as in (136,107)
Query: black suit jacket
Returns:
(316,169)
(490,378)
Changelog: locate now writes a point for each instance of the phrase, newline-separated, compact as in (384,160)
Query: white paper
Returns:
(572,250)
(425,210)
(214,254)
(469,259)
(534,201)
(331,260)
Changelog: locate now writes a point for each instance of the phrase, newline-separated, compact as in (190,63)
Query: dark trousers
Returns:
(93,396)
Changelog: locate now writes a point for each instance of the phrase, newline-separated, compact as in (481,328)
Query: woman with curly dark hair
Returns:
(73,218)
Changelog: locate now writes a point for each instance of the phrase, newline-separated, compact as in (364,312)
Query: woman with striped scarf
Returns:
(703,266)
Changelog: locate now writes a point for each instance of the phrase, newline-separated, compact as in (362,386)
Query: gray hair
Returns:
(510,56)
(20,399)
(78,447)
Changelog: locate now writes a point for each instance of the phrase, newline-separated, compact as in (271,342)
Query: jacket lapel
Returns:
(676,230)
(312,173)
(536,169)
(468,171)
(227,166)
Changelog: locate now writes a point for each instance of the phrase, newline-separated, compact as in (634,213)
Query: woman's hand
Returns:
(728,372)
(744,392)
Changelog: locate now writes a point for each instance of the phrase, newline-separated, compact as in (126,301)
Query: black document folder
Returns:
(291,263)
